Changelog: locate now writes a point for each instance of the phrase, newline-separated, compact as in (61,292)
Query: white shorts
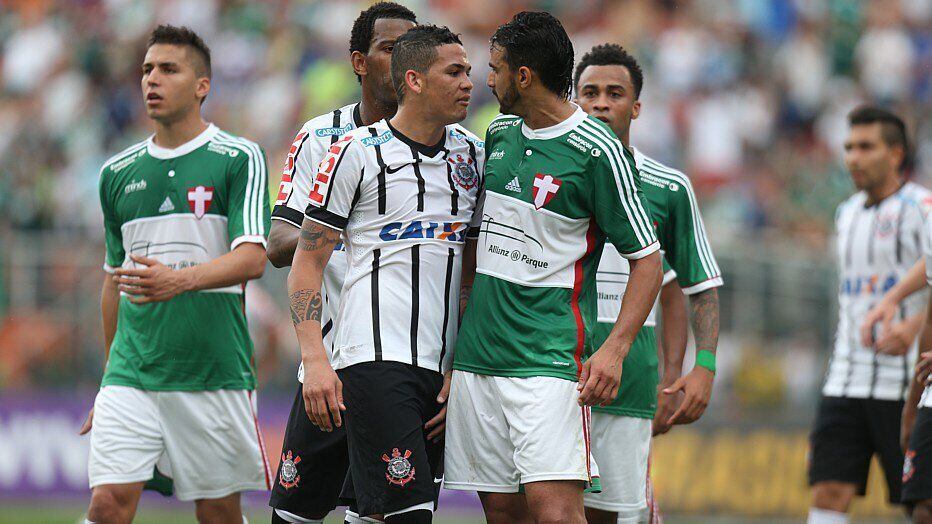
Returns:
(621,446)
(208,442)
(503,432)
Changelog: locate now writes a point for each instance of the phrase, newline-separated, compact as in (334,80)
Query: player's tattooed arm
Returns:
(306,304)
(313,236)
(468,275)
(704,317)
(283,240)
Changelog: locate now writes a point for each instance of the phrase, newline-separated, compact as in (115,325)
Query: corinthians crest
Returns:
(463,171)
(288,473)
(399,470)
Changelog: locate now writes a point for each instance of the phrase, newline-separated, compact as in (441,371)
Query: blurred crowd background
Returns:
(748,97)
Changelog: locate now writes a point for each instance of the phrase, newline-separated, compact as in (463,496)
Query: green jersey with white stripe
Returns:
(686,252)
(551,199)
(183,207)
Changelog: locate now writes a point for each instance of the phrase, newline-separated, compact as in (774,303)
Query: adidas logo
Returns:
(514,185)
(166,206)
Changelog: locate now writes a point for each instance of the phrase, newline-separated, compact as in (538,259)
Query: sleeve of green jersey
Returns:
(617,202)
(113,234)
(248,215)
(685,243)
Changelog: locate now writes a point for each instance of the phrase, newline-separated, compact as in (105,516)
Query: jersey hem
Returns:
(625,412)
(248,239)
(516,373)
(704,285)
(176,386)
(655,246)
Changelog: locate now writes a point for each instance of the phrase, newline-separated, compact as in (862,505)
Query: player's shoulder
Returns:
(237,150)
(502,123)
(663,176)
(123,159)
(458,133)
(337,122)
(916,197)
(851,204)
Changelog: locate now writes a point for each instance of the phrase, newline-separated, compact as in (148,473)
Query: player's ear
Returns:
(202,88)
(524,77)
(635,109)
(358,60)
(413,81)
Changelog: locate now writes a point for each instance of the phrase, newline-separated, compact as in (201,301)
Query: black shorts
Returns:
(917,468)
(847,434)
(392,464)
(313,466)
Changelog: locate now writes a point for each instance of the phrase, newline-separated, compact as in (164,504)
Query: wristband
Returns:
(706,359)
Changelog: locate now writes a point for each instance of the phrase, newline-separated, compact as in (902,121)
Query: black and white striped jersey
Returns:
(404,210)
(305,153)
(876,246)
(926,400)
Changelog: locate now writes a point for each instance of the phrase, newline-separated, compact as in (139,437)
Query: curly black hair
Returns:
(537,40)
(611,54)
(361,35)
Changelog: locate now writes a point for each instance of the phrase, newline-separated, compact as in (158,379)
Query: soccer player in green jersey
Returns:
(608,86)
(185,218)
(558,184)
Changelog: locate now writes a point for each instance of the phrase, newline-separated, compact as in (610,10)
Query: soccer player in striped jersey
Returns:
(314,463)
(879,232)
(558,185)
(185,220)
(608,84)
(402,193)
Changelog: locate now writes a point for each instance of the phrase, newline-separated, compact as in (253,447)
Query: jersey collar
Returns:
(638,157)
(164,153)
(547,133)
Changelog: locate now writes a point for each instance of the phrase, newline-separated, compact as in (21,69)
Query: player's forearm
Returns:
(283,240)
(468,274)
(305,280)
(109,310)
(246,262)
(674,331)
(641,292)
(704,317)
(914,281)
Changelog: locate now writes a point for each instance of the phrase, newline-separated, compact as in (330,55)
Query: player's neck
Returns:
(546,111)
(879,193)
(371,110)
(173,134)
(417,126)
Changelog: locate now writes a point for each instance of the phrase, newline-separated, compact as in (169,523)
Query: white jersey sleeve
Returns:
(334,188)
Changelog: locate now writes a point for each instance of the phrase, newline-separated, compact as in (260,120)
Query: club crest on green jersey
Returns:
(545,187)
(199,199)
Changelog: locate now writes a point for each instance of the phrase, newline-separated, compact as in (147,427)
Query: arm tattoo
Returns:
(306,304)
(314,236)
(704,319)
(465,293)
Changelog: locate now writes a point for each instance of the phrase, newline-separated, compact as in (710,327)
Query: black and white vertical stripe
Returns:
(876,246)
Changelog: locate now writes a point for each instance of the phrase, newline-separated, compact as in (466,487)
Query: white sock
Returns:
(826,516)
(291,517)
(88,522)
(245,520)
(353,518)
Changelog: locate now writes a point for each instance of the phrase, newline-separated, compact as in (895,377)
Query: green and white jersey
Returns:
(687,257)
(183,207)
(552,197)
